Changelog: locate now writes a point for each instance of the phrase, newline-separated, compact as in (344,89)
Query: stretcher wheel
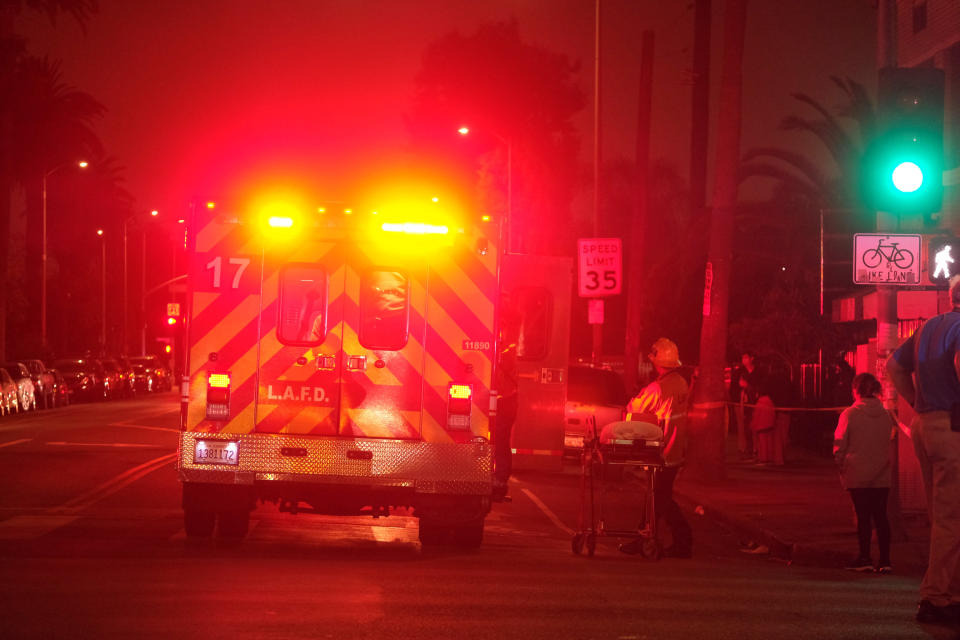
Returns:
(650,549)
(591,543)
(576,544)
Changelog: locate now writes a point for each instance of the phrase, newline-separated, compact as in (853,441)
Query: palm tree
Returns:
(800,178)
(12,56)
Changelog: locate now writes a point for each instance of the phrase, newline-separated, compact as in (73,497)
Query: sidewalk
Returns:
(798,511)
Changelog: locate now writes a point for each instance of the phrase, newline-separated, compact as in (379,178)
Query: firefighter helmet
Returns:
(664,353)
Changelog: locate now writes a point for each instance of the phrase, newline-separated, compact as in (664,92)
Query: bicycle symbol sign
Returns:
(886,259)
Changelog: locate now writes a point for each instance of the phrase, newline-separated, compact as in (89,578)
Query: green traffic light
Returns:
(907,177)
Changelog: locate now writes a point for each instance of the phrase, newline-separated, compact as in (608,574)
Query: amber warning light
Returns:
(218,396)
(458,406)
(460,391)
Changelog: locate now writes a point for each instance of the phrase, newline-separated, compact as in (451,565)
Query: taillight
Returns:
(218,396)
(459,405)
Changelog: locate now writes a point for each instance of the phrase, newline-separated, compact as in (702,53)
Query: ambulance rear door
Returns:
(538,290)
(299,353)
(382,344)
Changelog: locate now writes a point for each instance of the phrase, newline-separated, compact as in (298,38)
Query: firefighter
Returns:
(507,400)
(664,401)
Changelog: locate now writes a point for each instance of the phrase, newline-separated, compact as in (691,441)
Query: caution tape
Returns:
(704,406)
(797,409)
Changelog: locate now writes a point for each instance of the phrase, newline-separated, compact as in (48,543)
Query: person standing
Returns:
(926,372)
(763,425)
(743,391)
(861,447)
(664,402)
(507,401)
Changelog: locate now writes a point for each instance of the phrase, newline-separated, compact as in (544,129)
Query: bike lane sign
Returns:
(880,258)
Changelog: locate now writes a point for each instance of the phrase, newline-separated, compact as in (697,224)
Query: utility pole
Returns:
(597,328)
(700,110)
(640,213)
(706,425)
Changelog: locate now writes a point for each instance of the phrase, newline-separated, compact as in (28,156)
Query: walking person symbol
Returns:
(941,259)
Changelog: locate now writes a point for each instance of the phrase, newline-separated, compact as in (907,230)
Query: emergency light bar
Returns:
(280,221)
(418,228)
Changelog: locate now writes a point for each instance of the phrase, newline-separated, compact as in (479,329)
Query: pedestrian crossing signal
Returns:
(943,259)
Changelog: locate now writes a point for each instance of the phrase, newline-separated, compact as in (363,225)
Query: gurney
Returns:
(625,445)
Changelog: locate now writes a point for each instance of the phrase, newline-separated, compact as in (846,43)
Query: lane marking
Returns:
(114,485)
(547,512)
(107,444)
(26,527)
(13,442)
(142,426)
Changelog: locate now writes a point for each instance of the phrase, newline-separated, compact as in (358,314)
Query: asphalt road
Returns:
(92,546)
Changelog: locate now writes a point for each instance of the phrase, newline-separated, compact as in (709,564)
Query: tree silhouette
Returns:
(23,80)
(516,98)
(801,179)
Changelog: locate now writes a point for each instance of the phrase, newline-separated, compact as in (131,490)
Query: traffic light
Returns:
(903,173)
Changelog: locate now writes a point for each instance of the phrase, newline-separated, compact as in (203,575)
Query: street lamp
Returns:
(103,291)
(43,249)
(464,130)
(154,213)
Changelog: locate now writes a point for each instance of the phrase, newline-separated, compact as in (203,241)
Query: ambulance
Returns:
(343,361)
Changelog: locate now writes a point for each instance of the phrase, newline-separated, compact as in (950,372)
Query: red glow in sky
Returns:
(203,93)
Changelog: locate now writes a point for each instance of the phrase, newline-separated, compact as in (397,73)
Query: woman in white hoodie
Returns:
(861,446)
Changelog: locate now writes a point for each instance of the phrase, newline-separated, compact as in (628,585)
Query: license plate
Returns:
(572,442)
(215,452)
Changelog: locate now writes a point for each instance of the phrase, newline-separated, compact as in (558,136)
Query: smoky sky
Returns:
(204,93)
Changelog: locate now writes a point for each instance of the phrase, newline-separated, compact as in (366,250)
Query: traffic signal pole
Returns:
(887,312)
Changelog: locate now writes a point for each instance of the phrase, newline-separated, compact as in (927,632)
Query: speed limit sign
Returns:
(601,271)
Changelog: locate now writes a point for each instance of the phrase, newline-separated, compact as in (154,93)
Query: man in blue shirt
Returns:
(926,372)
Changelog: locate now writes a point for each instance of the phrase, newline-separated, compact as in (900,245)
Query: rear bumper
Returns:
(403,466)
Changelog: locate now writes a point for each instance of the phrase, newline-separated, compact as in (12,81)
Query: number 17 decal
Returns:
(217,265)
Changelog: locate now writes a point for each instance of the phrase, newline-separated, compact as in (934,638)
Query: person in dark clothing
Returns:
(507,396)
(506,416)
(861,446)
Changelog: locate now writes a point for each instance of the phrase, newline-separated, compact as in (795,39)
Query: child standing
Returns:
(861,446)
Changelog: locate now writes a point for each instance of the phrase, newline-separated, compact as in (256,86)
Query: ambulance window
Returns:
(303,305)
(532,311)
(384,310)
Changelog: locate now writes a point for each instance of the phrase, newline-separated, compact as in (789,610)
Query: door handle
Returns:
(356,363)
(326,363)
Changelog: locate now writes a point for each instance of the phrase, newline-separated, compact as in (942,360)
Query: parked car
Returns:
(145,378)
(9,399)
(42,381)
(591,391)
(61,390)
(26,394)
(129,375)
(119,382)
(82,378)
(162,376)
